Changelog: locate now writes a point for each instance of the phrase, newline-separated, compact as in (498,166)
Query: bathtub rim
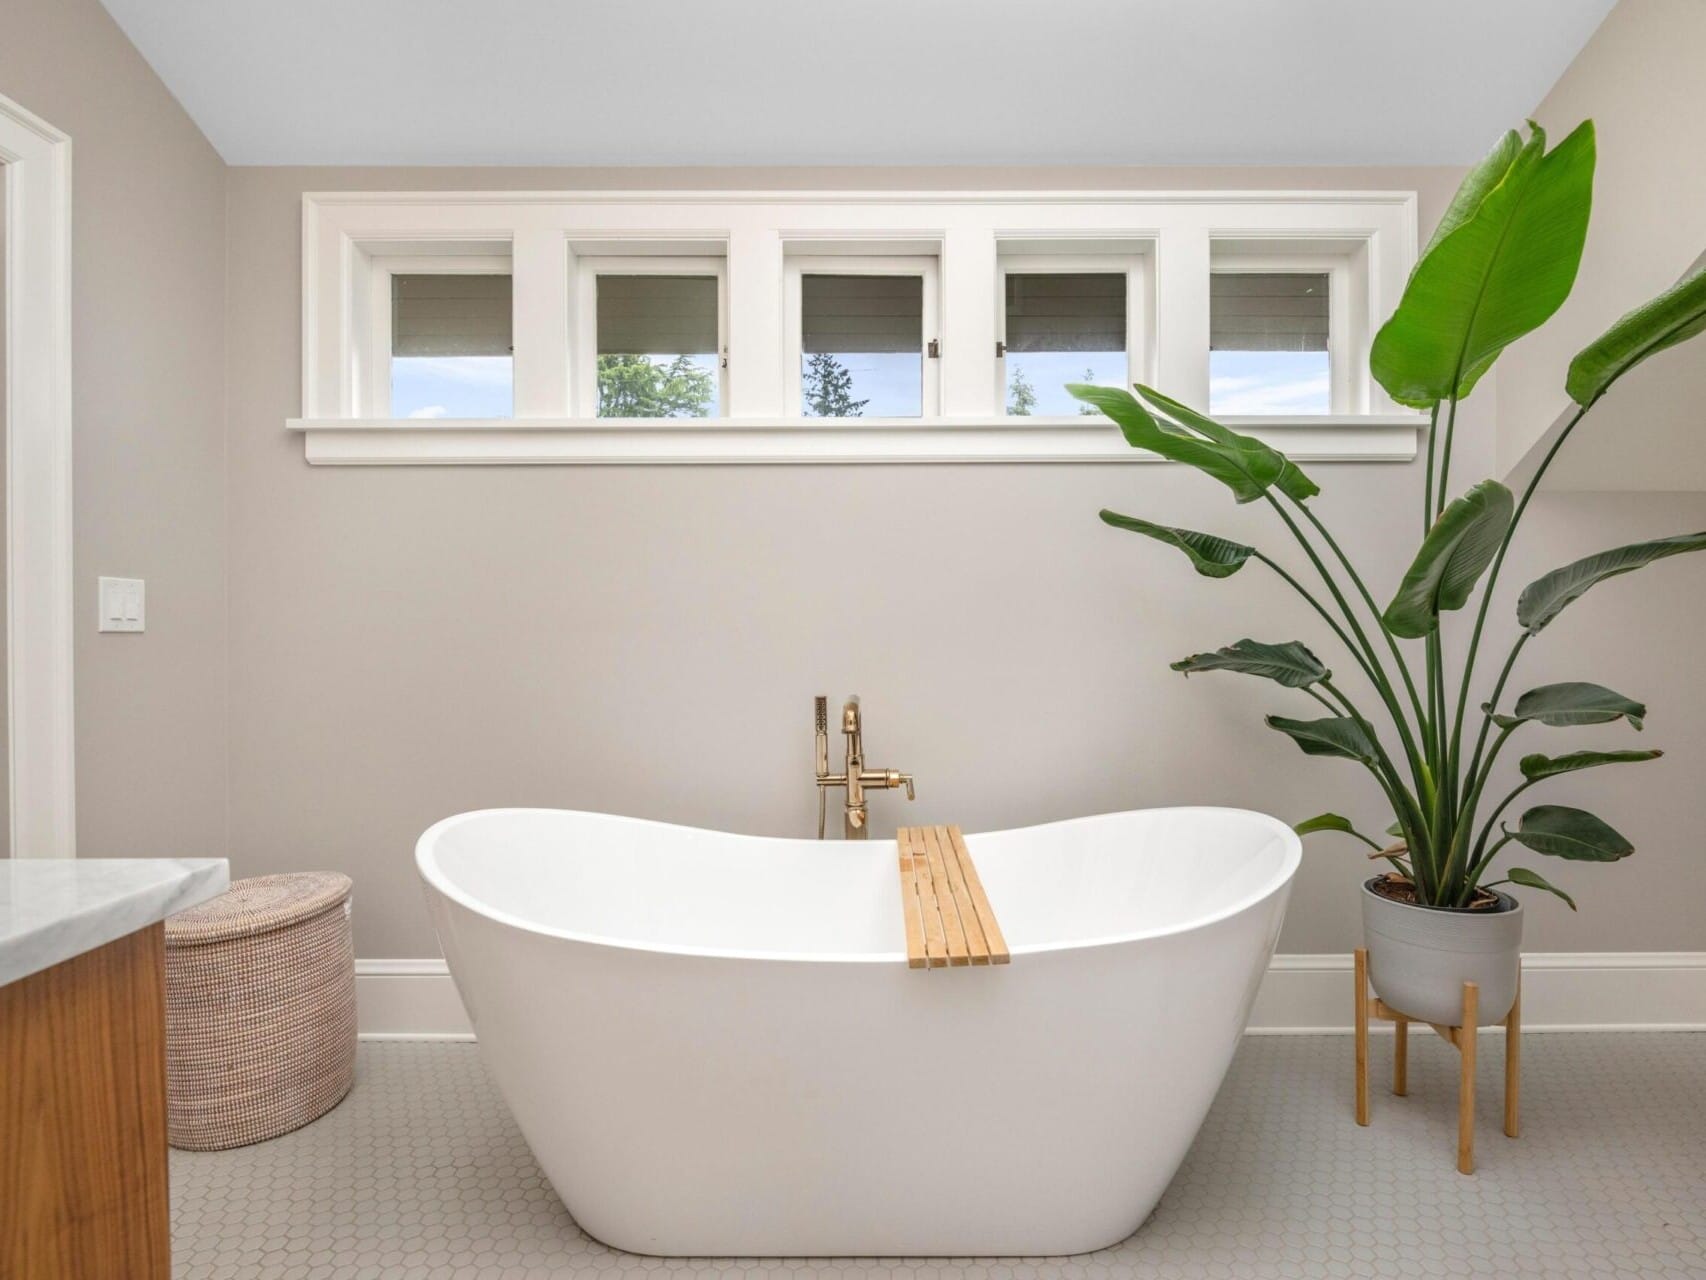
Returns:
(435,878)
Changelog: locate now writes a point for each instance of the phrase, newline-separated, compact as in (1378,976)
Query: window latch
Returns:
(933,349)
(1000,350)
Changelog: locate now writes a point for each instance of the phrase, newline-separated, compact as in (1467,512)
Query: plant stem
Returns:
(1443,495)
(1498,564)
(1428,497)
(1403,803)
(1374,609)
(1459,846)
(1344,637)
(1468,815)
(1376,672)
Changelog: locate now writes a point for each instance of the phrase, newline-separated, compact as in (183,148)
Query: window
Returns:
(867,344)
(1066,320)
(1269,342)
(657,348)
(803,327)
(450,341)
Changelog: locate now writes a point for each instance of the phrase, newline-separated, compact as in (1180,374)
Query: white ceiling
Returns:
(670,82)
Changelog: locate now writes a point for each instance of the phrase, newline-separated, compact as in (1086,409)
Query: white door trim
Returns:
(39,705)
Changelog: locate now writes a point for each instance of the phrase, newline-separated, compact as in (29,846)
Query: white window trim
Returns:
(766,234)
(375,357)
(583,346)
(1132,266)
(1348,330)
(923,266)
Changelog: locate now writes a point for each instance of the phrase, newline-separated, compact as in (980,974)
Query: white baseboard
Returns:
(408,1000)
(1301,995)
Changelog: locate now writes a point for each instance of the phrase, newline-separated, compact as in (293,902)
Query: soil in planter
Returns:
(1398,889)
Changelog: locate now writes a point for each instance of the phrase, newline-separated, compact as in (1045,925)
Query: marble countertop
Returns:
(54,908)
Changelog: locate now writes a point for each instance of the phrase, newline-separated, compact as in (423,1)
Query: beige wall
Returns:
(1639,78)
(410,642)
(148,241)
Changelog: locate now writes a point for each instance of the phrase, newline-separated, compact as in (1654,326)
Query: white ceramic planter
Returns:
(1420,957)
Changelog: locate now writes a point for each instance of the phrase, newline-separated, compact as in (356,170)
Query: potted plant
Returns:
(1501,262)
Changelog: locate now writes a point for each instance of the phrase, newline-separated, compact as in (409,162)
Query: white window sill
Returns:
(698,441)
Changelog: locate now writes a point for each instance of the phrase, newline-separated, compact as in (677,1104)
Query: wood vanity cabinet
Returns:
(83,1190)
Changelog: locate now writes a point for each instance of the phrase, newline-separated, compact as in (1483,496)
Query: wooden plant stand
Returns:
(1462,1037)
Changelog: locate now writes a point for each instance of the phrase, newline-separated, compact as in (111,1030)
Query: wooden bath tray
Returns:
(948,917)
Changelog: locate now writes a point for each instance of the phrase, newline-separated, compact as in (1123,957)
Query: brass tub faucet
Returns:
(855,777)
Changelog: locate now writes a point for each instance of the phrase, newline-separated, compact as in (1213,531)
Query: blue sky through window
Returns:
(1269,382)
(452,387)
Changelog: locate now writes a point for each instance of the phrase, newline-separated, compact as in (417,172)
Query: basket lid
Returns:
(258,905)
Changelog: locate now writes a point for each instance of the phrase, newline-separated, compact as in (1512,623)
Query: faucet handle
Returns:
(888,780)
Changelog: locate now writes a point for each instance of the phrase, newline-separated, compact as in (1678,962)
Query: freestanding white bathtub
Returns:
(714,1046)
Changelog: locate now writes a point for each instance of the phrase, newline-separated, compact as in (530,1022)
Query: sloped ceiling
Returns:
(666,82)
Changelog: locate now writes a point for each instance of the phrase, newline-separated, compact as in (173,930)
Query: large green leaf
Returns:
(1452,558)
(1325,822)
(1534,880)
(1499,272)
(1575,834)
(1545,597)
(1290,663)
(1573,702)
(1536,767)
(1331,736)
(1487,174)
(1214,557)
(1677,314)
(1291,480)
(1248,470)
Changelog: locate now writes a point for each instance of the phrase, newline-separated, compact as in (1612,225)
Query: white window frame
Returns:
(375,357)
(1133,266)
(764,237)
(927,267)
(583,343)
(1348,331)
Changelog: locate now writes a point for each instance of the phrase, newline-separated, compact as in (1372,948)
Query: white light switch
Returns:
(121,604)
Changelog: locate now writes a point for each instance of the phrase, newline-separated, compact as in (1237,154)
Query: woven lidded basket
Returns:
(260,1010)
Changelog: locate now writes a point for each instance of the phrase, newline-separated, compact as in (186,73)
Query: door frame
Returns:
(39,598)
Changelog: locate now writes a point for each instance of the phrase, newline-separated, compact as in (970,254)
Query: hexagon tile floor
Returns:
(421,1175)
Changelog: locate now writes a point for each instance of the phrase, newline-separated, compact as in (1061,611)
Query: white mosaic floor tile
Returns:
(421,1175)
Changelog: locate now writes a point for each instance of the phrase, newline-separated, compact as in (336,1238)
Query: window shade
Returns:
(1274,311)
(1078,312)
(861,314)
(450,315)
(657,315)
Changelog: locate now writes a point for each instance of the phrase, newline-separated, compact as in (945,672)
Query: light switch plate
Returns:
(121,604)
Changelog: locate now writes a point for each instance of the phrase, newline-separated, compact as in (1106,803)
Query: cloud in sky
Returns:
(1269,382)
(429,411)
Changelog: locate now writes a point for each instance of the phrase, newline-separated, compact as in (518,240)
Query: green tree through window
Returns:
(1021,395)
(828,389)
(631,386)
(1084,410)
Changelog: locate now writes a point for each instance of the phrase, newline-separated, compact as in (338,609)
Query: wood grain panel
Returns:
(83,1114)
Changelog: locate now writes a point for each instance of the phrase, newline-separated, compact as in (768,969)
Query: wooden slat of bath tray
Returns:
(948,917)
(935,842)
(994,940)
(917,951)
